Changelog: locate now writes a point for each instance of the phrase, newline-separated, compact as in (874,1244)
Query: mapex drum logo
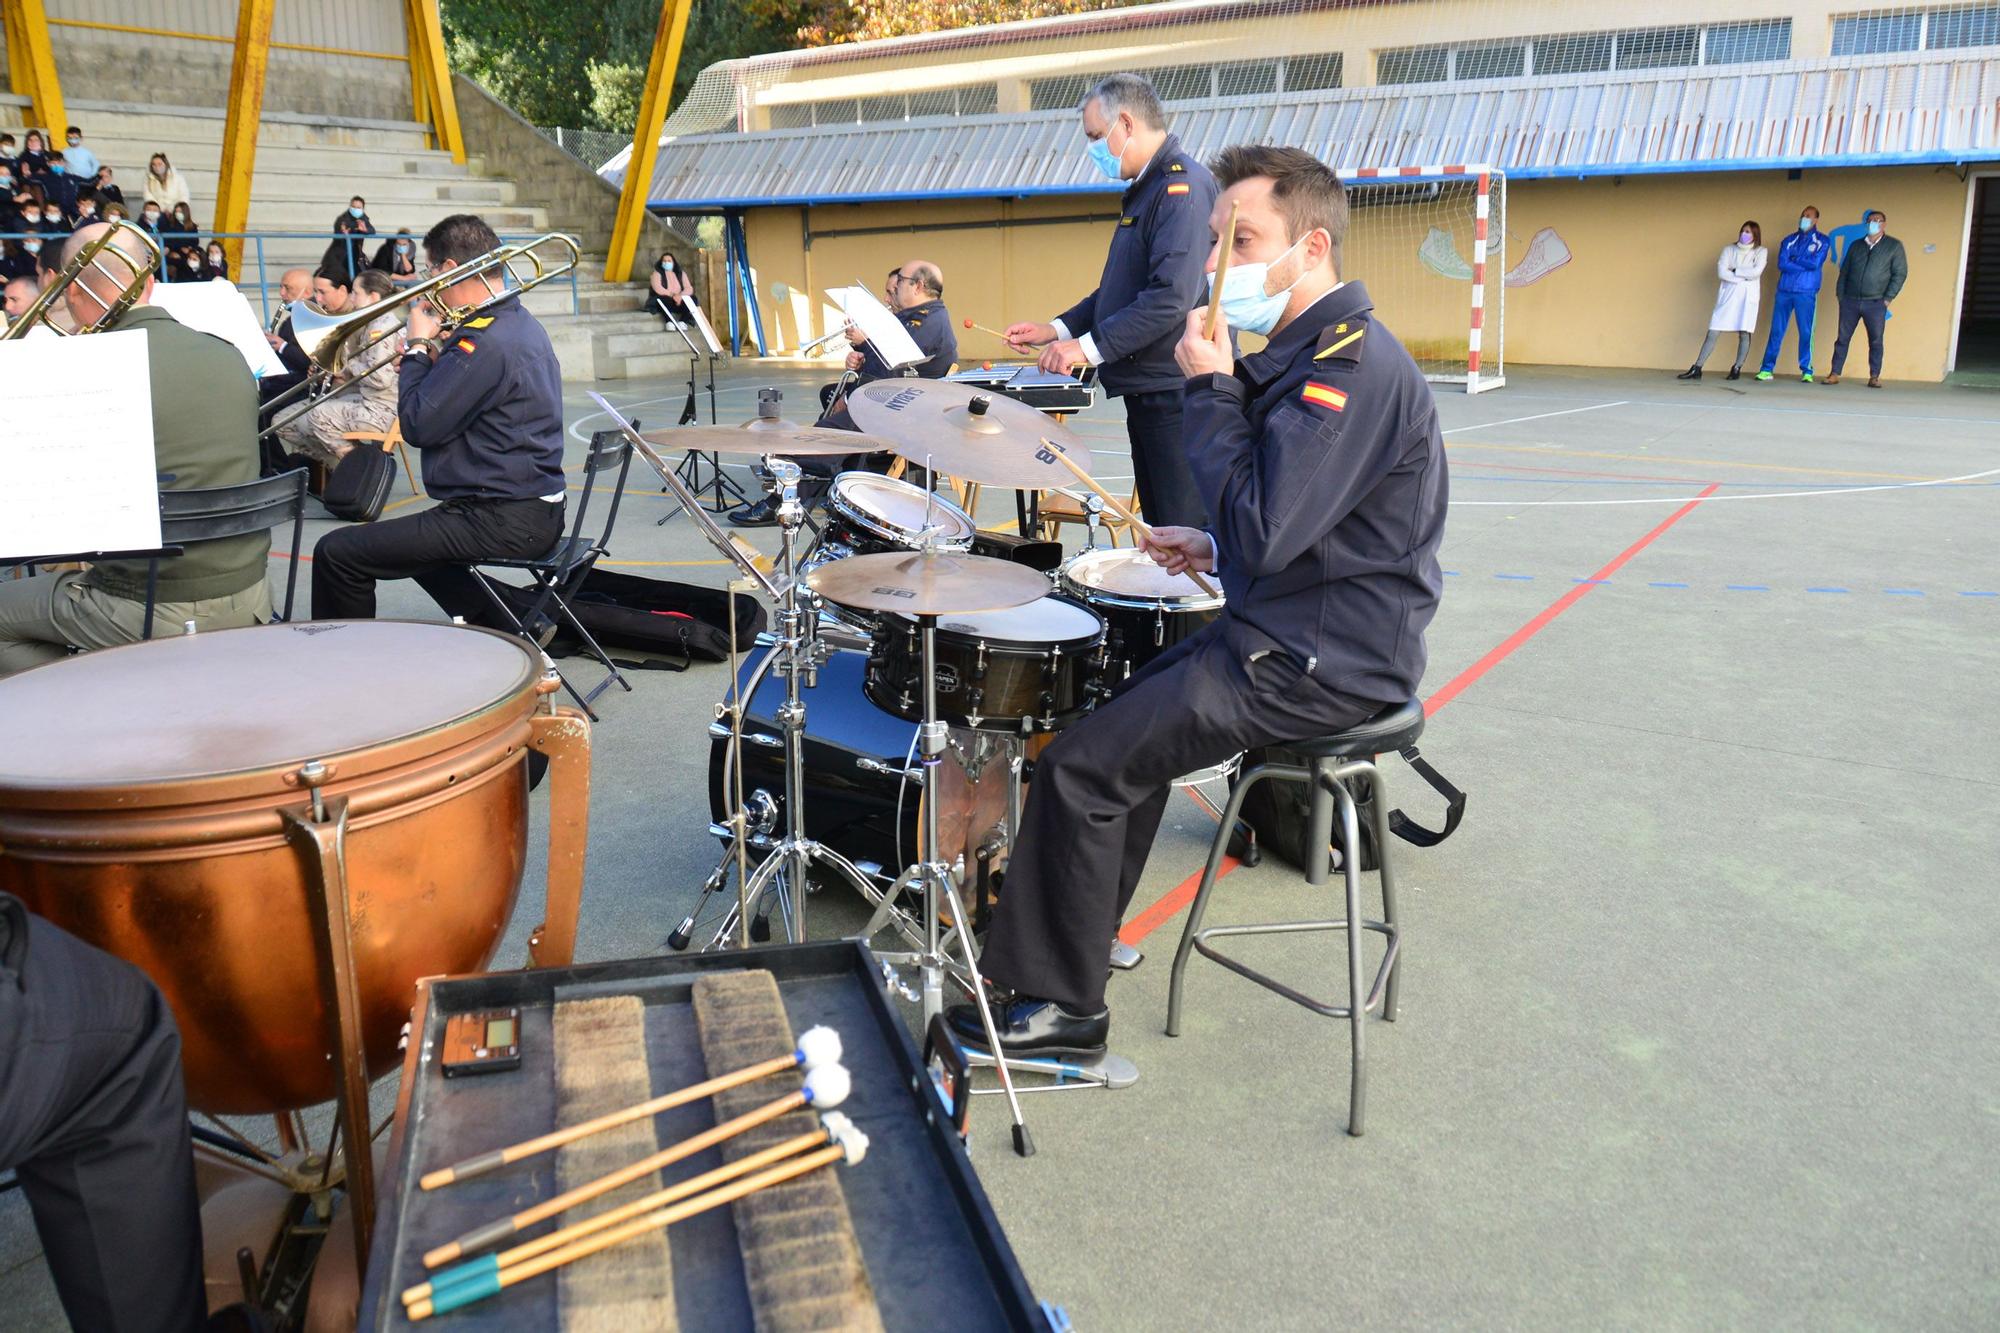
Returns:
(947,680)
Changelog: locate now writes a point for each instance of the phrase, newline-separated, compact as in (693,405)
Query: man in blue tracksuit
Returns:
(1801,258)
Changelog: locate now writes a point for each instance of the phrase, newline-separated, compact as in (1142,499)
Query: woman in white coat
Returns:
(1741,269)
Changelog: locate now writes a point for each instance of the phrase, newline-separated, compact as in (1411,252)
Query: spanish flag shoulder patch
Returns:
(1320,395)
(479,323)
(465,346)
(1179,187)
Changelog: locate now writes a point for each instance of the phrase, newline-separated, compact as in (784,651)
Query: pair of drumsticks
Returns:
(827,1084)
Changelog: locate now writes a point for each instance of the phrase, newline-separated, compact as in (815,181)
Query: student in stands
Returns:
(108,188)
(10,152)
(180,235)
(164,186)
(83,163)
(397,257)
(34,153)
(149,218)
(60,187)
(20,259)
(218,260)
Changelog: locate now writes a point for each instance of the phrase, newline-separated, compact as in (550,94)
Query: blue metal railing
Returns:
(357,259)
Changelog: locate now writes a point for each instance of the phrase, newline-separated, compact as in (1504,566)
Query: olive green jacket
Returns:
(204,434)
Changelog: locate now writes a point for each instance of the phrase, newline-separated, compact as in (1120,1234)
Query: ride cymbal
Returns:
(933,583)
(969,433)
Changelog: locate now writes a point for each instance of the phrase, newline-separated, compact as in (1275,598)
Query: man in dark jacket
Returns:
(1871,276)
(483,408)
(204,434)
(1323,462)
(1152,278)
(1802,257)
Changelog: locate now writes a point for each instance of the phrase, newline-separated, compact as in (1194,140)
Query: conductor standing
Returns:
(1152,277)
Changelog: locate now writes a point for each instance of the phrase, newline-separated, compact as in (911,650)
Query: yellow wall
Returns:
(1637,291)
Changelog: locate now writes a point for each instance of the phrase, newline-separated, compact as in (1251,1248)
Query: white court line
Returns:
(1717,499)
(1539,416)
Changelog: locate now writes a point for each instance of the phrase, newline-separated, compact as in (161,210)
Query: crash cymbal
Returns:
(935,583)
(784,441)
(969,433)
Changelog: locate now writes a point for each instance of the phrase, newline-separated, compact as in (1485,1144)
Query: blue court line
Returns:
(1979,594)
(1518,578)
(1666,585)
(1902,592)
(1826,590)
(1748,587)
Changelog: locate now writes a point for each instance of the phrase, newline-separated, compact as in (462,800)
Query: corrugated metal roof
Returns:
(1863,112)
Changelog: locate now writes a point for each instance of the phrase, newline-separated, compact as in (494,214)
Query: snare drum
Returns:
(867,512)
(1023,670)
(1145,609)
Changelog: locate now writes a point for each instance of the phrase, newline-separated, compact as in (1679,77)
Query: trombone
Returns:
(93,258)
(323,337)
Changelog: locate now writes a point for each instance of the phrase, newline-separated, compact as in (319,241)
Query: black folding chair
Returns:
(562,571)
(208,513)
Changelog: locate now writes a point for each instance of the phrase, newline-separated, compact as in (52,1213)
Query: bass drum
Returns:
(1145,609)
(852,805)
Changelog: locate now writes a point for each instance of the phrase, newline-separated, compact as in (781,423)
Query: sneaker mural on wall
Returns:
(1547,252)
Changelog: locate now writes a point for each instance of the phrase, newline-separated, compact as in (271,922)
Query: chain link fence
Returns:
(593,148)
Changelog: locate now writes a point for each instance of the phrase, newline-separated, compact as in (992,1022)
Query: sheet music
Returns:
(864,310)
(707,333)
(72,487)
(218,307)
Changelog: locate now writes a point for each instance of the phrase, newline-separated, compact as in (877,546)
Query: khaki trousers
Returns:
(42,619)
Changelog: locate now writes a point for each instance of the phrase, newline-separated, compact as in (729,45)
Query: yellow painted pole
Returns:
(28,23)
(646,139)
(427,46)
(420,93)
(18,76)
(239,127)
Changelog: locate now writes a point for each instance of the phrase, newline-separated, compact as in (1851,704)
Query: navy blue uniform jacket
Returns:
(1153,275)
(1324,468)
(929,326)
(487,415)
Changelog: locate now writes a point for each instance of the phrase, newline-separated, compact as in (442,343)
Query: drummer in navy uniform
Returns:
(917,291)
(1325,468)
(1152,275)
(483,408)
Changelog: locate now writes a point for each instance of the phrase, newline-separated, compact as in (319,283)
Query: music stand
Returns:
(725,494)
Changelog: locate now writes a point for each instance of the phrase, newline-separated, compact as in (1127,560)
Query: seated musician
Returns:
(482,405)
(370,405)
(917,296)
(1321,460)
(204,434)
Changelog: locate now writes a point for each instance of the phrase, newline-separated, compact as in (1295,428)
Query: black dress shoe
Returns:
(1691,373)
(1029,1026)
(1735,373)
(760,515)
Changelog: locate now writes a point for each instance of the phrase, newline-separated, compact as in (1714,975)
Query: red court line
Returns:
(1178,897)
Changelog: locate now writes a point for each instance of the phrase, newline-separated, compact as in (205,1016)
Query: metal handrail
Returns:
(257,238)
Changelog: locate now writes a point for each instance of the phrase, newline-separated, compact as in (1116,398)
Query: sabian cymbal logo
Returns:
(314,629)
(894,592)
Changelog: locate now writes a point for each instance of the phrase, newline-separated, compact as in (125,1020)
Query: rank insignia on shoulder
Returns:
(1126,222)
(479,323)
(1319,395)
(1342,339)
(1175,166)
(1179,187)
(465,346)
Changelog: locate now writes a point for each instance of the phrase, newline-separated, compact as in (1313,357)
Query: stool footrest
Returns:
(1244,970)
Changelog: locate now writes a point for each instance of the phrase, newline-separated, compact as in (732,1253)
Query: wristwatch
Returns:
(429,346)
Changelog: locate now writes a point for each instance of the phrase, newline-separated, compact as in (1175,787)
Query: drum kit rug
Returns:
(966,665)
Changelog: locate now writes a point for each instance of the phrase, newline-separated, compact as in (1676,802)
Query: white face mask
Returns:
(215,256)
(52,215)
(152,215)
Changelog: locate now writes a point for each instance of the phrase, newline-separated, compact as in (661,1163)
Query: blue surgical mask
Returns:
(402,247)
(1874,228)
(1104,159)
(1245,303)
(56,168)
(1805,224)
(32,247)
(354,212)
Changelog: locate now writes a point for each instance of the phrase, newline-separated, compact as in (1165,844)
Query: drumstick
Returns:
(826,1086)
(1221,272)
(819,1046)
(469,1291)
(836,1129)
(1111,503)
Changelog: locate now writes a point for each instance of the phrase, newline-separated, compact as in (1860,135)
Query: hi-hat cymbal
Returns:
(968,433)
(784,441)
(933,583)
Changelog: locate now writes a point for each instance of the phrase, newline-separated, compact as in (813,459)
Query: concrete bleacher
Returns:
(307,168)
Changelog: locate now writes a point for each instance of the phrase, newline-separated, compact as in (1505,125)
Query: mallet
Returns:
(983,329)
(835,1128)
(1221,272)
(1112,503)
(818,1046)
(825,1087)
(851,1149)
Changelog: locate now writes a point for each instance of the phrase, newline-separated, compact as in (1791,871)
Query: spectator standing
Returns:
(1741,269)
(1871,276)
(345,253)
(397,257)
(58,185)
(670,291)
(164,185)
(107,188)
(1801,258)
(83,163)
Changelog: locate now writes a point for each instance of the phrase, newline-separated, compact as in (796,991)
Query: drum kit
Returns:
(965,665)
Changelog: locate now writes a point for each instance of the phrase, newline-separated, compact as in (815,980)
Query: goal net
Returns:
(1427,241)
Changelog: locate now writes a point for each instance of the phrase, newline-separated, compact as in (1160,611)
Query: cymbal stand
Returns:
(796,649)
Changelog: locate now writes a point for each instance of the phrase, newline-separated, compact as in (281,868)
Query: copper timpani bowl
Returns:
(143,793)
